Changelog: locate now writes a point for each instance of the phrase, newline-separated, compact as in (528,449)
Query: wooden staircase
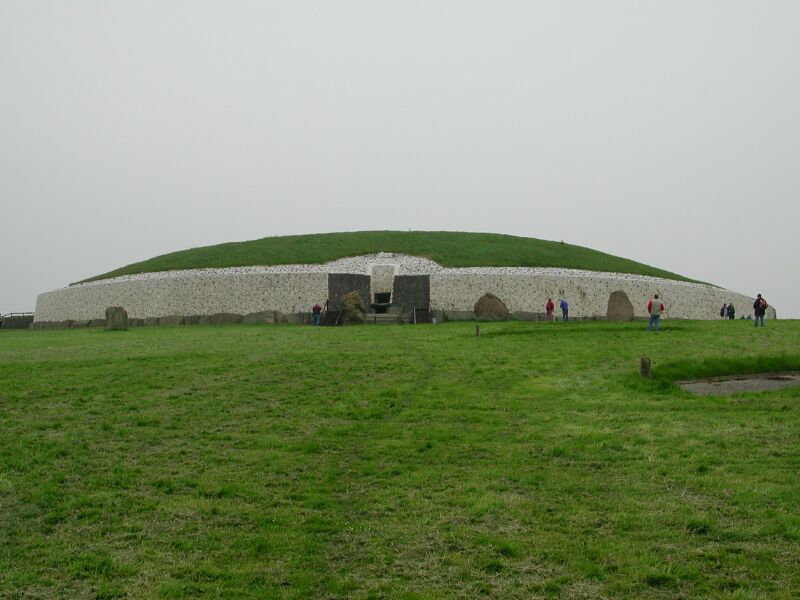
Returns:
(422,315)
(331,318)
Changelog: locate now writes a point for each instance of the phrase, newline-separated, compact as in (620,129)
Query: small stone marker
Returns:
(477,330)
(116,318)
(645,367)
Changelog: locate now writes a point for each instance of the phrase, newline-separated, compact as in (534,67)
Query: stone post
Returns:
(645,367)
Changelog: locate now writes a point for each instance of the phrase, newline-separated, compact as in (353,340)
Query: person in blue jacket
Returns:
(564,309)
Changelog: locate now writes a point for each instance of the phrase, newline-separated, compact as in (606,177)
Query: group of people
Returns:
(562,304)
(655,307)
(760,307)
(727,311)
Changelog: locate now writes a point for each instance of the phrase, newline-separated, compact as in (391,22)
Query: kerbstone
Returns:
(224,319)
(354,309)
(170,320)
(264,316)
(490,308)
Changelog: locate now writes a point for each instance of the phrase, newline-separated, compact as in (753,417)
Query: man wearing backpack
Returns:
(759,309)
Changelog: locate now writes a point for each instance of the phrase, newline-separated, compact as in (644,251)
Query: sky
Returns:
(664,132)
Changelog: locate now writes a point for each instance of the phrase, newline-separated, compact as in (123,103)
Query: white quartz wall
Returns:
(295,288)
(586,293)
(202,294)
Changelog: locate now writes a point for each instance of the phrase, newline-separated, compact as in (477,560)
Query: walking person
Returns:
(655,308)
(564,305)
(549,308)
(760,309)
(723,312)
(731,312)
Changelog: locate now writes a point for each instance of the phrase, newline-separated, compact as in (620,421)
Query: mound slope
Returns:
(450,249)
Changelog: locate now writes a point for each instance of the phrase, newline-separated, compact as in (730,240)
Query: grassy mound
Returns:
(231,462)
(448,248)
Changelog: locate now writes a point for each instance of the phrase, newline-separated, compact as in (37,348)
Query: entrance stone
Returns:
(490,308)
(354,309)
(619,307)
(116,318)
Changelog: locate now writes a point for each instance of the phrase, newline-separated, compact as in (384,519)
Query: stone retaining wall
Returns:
(293,289)
(586,293)
(207,294)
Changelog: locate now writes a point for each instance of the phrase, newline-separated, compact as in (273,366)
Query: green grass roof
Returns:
(448,248)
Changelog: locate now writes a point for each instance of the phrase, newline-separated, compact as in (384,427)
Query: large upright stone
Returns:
(116,318)
(619,307)
(490,308)
(354,309)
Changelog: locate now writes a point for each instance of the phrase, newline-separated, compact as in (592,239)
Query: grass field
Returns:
(397,461)
(448,248)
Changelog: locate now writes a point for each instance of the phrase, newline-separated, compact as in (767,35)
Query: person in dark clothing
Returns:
(723,311)
(759,309)
(731,312)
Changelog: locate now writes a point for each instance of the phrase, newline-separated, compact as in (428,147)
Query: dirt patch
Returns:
(740,383)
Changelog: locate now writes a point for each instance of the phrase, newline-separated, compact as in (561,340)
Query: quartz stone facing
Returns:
(291,290)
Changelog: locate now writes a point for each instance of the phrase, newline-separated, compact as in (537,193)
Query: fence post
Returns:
(645,367)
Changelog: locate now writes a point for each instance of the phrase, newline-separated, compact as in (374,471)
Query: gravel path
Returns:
(741,383)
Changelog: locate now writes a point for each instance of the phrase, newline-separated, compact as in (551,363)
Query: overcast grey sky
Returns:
(664,132)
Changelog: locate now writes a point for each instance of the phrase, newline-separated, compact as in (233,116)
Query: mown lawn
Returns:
(396,461)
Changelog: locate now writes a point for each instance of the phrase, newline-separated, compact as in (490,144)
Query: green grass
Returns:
(403,462)
(451,249)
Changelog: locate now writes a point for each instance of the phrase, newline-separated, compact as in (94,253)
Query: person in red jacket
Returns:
(316,311)
(549,308)
(654,308)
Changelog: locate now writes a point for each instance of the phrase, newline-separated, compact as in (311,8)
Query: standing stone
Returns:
(116,318)
(354,309)
(619,307)
(490,308)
